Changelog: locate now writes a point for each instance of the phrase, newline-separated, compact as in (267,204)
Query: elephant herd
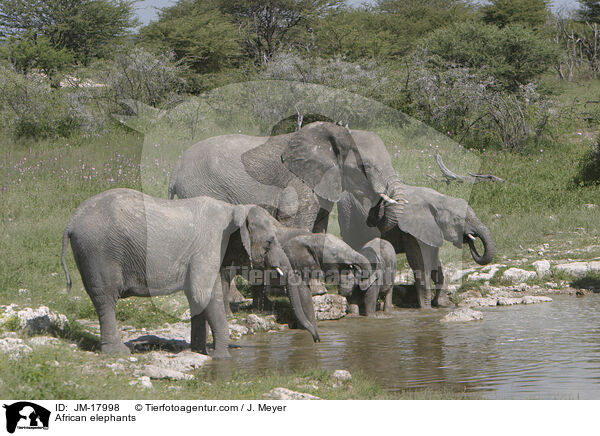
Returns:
(261,205)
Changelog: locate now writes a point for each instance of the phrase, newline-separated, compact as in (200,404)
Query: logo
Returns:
(26,415)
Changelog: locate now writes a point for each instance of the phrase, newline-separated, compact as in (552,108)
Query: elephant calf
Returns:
(382,256)
(126,243)
(311,255)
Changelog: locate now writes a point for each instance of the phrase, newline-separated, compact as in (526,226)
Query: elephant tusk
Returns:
(470,236)
(279,271)
(388,199)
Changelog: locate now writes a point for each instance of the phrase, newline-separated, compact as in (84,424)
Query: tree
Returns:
(87,28)
(266,24)
(589,10)
(199,35)
(531,13)
(407,21)
(26,54)
(513,56)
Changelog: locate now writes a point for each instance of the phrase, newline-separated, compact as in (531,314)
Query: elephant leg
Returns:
(354,301)
(199,333)
(370,300)
(387,307)
(225,285)
(110,338)
(422,280)
(437,275)
(260,301)
(215,315)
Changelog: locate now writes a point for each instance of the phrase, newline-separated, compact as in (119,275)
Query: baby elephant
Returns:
(126,243)
(382,256)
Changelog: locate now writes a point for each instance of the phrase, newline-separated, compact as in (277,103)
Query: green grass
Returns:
(60,372)
(41,183)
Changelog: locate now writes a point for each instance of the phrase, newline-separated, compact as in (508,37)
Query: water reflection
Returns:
(549,350)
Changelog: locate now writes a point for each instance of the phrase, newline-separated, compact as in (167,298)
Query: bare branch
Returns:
(471,178)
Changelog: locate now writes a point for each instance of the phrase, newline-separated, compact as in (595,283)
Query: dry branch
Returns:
(471,178)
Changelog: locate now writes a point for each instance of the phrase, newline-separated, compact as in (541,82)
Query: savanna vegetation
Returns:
(513,82)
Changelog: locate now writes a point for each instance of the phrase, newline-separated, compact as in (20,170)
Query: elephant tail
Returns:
(65,243)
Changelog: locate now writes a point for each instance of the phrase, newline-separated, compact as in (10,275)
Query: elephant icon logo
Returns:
(26,415)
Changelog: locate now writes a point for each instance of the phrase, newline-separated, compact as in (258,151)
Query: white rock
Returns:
(34,321)
(286,394)
(329,306)
(14,347)
(23,291)
(116,367)
(532,299)
(236,331)
(590,206)
(341,375)
(145,382)
(480,302)
(43,341)
(518,275)
(461,315)
(542,268)
(484,275)
(184,361)
(503,301)
(579,269)
(255,323)
(457,275)
(158,372)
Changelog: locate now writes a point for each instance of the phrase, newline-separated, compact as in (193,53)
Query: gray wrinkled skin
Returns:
(427,219)
(382,256)
(296,177)
(126,243)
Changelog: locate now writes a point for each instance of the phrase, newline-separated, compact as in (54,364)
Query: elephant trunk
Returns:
(389,210)
(475,229)
(301,299)
(299,294)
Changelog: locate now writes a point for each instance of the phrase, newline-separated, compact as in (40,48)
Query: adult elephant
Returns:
(427,219)
(126,243)
(297,177)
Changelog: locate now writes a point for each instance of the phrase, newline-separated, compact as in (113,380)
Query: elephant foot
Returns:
(353,309)
(115,349)
(221,355)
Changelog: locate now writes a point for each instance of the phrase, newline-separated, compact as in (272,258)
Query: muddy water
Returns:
(547,350)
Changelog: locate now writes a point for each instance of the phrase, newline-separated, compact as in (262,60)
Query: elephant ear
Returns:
(262,163)
(240,215)
(302,251)
(418,218)
(315,159)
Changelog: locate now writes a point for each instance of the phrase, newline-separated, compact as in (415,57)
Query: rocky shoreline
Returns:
(163,352)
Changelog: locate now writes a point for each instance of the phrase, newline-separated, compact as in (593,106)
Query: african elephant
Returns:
(126,243)
(297,177)
(427,219)
(382,256)
(311,255)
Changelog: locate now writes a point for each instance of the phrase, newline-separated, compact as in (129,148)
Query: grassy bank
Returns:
(62,372)
(43,182)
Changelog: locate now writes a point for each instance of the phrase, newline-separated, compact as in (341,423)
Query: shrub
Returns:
(29,107)
(589,167)
(471,107)
(141,76)
(513,55)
